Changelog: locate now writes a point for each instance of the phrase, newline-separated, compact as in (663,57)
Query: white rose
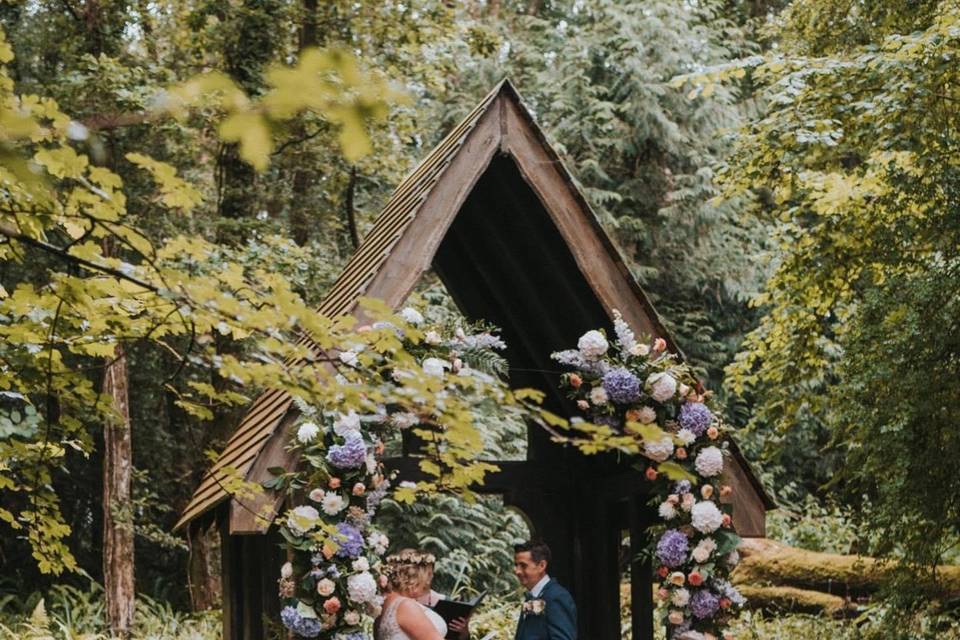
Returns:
(325,587)
(435,366)
(378,542)
(706,517)
(286,571)
(592,344)
(347,424)
(307,432)
(662,386)
(411,315)
(302,519)
(361,587)
(598,395)
(317,495)
(432,337)
(659,450)
(351,618)
(680,598)
(333,504)
(361,564)
(686,436)
(701,553)
(709,462)
(639,350)
(687,502)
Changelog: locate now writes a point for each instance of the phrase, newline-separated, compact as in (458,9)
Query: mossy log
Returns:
(767,563)
(793,600)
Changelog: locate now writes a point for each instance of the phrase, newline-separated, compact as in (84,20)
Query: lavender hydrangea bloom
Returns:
(696,417)
(573,358)
(350,541)
(621,386)
(306,627)
(376,496)
(672,548)
(703,604)
(352,454)
(682,486)
(611,421)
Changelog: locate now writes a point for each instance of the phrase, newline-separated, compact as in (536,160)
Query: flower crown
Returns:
(410,558)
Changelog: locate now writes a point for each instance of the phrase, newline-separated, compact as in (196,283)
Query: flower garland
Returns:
(331,587)
(639,398)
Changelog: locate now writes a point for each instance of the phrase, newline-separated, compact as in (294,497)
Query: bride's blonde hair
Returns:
(409,571)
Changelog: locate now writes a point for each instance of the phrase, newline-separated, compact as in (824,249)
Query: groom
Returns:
(548,610)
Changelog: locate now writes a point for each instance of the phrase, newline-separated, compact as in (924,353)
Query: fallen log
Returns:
(769,564)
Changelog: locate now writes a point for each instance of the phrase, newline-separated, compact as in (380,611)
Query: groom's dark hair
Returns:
(539,551)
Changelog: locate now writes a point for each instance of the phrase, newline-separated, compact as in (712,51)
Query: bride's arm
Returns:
(415,623)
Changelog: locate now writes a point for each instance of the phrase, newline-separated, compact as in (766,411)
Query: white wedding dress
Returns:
(388,629)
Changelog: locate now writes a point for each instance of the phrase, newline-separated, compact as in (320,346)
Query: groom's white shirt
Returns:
(538,588)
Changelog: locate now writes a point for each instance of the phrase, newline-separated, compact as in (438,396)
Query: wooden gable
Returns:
(494,211)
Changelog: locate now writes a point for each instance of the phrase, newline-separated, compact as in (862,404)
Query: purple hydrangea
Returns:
(356,635)
(350,541)
(682,486)
(606,419)
(621,386)
(703,604)
(672,548)
(352,454)
(306,627)
(696,417)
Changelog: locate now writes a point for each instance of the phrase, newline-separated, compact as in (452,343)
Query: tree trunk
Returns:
(118,579)
(204,567)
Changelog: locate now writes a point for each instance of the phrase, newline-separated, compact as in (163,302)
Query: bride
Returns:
(409,577)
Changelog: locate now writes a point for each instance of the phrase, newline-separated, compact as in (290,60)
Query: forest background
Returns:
(781,175)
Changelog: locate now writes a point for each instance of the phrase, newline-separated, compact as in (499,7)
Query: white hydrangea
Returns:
(709,462)
(686,436)
(598,395)
(333,504)
(411,315)
(302,519)
(706,517)
(307,432)
(701,552)
(662,386)
(667,511)
(592,344)
(680,598)
(361,587)
(346,424)
(403,419)
(659,450)
(435,366)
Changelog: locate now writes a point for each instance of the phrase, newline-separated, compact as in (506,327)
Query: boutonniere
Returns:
(534,607)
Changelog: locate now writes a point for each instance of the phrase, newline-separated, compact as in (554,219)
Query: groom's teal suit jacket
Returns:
(558,620)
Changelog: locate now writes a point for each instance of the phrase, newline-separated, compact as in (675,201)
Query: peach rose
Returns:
(575,381)
(583,405)
(712,433)
(662,593)
(663,572)
(675,617)
(726,490)
(726,522)
(334,483)
(633,415)
(706,491)
(359,489)
(659,345)
(332,605)
(651,473)
(673,498)
(680,453)
(328,550)
(695,579)
(379,448)
(677,578)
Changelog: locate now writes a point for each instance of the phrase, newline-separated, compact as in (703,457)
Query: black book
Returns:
(450,610)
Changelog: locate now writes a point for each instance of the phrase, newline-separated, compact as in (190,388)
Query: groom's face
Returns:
(527,571)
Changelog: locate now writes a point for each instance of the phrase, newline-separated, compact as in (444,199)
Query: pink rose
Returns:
(659,345)
(695,579)
(583,405)
(332,605)
(358,489)
(663,594)
(651,474)
(334,483)
(680,453)
(676,617)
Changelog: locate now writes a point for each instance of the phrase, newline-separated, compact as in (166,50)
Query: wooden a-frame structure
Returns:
(495,213)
